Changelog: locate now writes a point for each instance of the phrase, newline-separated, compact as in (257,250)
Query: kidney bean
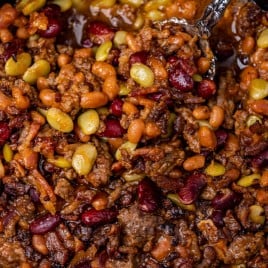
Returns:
(221,137)
(95,217)
(140,56)
(260,160)
(5,132)
(34,195)
(117,107)
(224,201)
(99,28)
(206,88)
(44,224)
(113,129)
(217,217)
(53,29)
(179,79)
(148,196)
(192,188)
(11,49)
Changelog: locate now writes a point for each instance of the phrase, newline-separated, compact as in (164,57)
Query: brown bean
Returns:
(162,248)
(83,53)
(207,137)
(152,130)
(158,68)
(129,108)
(42,83)
(203,65)
(63,59)
(39,244)
(7,15)
(38,118)
(22,33)
(247,45)
(48,97)
(135,130)
(264,179)
(194,162)
(132,42)
(110,87)
(216,116)
(103,69)
(232,143)
(21,102)
(5,101)
(94,99)
(259,106)
(201,112)
(248,74)
(5,36)
(81,136)
(100,201)
(262,196)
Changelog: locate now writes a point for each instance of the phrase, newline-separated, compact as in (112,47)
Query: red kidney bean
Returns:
(11,49)
(34,195)
(148,196)
(99,28)
(206,88)
(179,79)
(44,224)
(87,43)
(53,29)
(140,57)
(217,217)
(174,62)
(192,188)
(113,129)
(95,217)
(224,201)
(221,136)
(117,107)
(260,160)
(52,10)
(5,132)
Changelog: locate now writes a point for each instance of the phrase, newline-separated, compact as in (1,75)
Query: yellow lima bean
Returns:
(63,4)
(60,162)
(256,214)
(59,120)
(7,153)
(129,146)
(18,67)
(258,89)
(155,15)
(142,74)
(84,158)
(262,40)
(129,176)
(38,69)
(88,122)
(103,3)
(29,6)
(135,3)
(120,38)
(176,200)
(215,169)
(249,180)
(252,119)
(123,89)
(103,51)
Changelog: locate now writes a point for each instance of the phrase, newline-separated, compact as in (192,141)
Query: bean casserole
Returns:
(117,150)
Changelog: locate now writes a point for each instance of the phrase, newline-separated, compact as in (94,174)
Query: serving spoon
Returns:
(203,27)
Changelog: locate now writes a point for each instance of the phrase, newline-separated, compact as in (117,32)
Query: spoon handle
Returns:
(211,16)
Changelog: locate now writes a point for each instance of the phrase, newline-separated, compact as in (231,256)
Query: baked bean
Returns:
(48,97)
(25,265)
(201,113)
(5,101)
(83,53)
(79,78)
(248,74)
(262,196)
(247,45)
(100,201)
(158,68)
(94,99)
(216,116)
(5,35)
(129,108)
(132,42)
(135,130)
(7,15)
(194,162)
(21,102)
(22,33)
(63,59)
(39,244)
(103,69)
(207,137)
(42,83)
(232,143)
(152,130)
(259,106)
(264,179)
(162,248)
(81,136)
(38,118)
(203,65)
(110,87)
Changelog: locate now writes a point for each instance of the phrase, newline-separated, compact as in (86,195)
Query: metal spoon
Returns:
(202,28)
